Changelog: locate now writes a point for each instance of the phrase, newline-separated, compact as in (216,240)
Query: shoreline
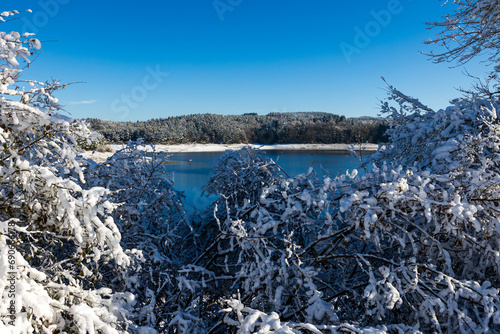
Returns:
(197,148)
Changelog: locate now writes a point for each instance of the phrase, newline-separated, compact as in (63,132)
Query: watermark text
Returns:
(364,35)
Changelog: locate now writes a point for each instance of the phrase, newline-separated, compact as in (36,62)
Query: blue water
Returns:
(192,170)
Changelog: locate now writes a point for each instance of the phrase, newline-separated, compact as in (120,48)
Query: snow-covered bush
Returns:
(472,30)
(150,216)
(238,178)
(55,236)
(142,189)
(412,244)
(241,175)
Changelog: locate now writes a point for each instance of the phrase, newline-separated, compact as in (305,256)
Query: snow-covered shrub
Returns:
(413,244)
(253,321)
(94,142)
(150,216)
(472,30)
(142,189)
(55,236)
(238,177)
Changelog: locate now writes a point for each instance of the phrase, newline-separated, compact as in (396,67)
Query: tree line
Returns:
(273,128)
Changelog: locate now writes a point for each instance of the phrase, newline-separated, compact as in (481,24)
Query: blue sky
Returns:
(150,59)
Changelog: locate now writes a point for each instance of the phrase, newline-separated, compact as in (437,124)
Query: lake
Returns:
(192,170)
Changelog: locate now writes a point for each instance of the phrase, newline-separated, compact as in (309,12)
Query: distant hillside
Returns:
(274,128)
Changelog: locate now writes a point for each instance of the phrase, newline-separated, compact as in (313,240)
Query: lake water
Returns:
(192,170)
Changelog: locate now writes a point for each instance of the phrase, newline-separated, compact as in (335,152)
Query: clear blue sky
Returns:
(235,56)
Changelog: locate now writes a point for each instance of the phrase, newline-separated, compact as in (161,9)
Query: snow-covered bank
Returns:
(102,156)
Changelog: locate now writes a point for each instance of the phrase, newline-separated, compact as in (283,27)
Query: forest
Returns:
(274,128)
(409,242)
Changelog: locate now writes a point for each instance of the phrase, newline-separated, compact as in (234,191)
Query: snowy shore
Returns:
(102,156)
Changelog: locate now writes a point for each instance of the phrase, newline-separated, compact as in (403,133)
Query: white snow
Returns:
(102,156)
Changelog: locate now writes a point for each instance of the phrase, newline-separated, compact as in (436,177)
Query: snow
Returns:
(188,148)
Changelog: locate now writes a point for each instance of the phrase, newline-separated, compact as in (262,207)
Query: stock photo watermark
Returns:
(11,276)
(364,35)
(40,18)
(139,93)
(223,6)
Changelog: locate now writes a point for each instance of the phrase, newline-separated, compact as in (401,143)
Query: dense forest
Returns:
(274,128)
